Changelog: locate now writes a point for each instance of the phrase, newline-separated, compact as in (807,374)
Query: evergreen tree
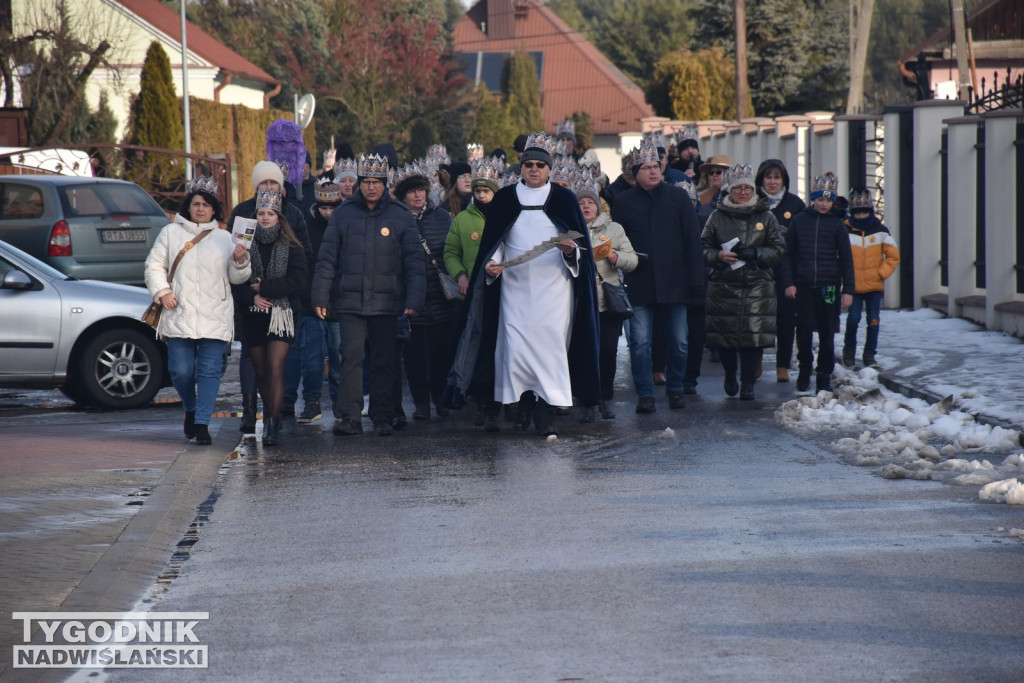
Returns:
(584,131)
(102,123)
(157,118)
(521,87)
(896,27)
(694,85)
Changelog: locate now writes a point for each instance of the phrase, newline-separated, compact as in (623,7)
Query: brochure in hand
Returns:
(243,230)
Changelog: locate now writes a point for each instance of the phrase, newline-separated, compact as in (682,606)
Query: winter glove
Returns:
(748,254)
(736,248)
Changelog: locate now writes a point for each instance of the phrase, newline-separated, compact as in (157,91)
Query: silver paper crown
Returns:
(561,149)
(860,200)
(373,166)
(329,157)
(269,199)
(689,133)
(510,179)
(646,153)
(407,171)
(490,169)
(564,170)
(584,183)
(437,155)
(283,165)
(326,191)
(738,174)
(205,183)
(540,141)
(566,129)
(591,165)
(690,188)
(656,138)
(825,184)
(474,152)
(345,168)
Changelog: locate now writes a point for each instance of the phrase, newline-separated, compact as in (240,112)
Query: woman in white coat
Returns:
(198,317)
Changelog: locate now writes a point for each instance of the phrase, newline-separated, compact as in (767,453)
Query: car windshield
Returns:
(100,199)
(44,268)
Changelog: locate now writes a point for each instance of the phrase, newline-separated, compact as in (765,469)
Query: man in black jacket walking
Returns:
(662,226)
(369,270)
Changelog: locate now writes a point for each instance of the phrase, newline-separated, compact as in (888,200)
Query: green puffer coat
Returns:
(741,303)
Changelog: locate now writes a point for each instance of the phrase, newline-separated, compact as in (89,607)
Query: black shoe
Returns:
(440,410)
(287,408)
(823,382)
(869,359)
(382,429)
(675,400)
(561,411)
(747,391)
(524,412)
(344,427)
(731,385)
(606,411)
(310,412)
(398,422)
(690,388)
(544,418)
(203,435)
(588,414)
(271,431)
(850,356)
(249,410)
(190,424)
(803,381)
(422,411)
(645,405)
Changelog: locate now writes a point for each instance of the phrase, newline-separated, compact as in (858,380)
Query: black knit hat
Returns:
(457,168)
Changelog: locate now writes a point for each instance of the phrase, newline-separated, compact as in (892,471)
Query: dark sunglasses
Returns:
(533,164)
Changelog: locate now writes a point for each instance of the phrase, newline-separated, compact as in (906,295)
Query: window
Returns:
(106,198)
(486,67)
(20,202)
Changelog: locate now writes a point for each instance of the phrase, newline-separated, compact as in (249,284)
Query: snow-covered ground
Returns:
(969,436)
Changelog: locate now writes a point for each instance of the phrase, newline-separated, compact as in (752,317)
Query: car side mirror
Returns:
(18,279)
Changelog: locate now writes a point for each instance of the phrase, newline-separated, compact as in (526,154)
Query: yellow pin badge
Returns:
(385,231)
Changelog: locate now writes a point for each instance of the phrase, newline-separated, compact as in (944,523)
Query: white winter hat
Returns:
(266,170)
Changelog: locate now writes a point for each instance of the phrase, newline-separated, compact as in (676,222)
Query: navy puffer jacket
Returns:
(817,252)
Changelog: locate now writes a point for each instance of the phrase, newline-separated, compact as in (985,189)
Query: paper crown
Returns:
(647,152)
(409,171)
(329,157)
(373,166)
(490,169)
(205,183)
(656,138)
(566,130)
(564,170)
(688,133)
(540,141)
(283,165)
(690,188)
(326,191)
(825,186)
(437,155)
(346,168)
(510,179)
(585,186)
(860,199)
(739,174)
(474,152)
(561,149)
(268,199)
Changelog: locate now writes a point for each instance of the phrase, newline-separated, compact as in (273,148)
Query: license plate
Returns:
(122,236)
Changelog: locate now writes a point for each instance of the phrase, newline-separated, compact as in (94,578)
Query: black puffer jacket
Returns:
(790,207)
(741,303)
(371,261)
(662,224)
(817,252)
(433,224)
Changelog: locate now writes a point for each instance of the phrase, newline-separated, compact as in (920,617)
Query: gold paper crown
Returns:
(205,183)
(564,170)
(490,169)
(326,191)
(738,174)
(345,168)
(566,129)
(541,141)
(268,199)
(860,200)
(825,185)
(373,166)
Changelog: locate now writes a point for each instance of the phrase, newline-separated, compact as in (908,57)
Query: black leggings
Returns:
(748,360)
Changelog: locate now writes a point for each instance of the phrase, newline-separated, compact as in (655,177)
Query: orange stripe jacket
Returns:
(875,256)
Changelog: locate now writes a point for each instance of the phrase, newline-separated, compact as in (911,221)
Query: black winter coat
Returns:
(662,224)
(614,189)
(817,252)
(742,302)
(788,208)
(370,261)
(433,225)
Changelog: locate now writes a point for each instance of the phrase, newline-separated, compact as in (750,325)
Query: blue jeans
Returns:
(305,361)
(196,364)
(639,334)
(872,302)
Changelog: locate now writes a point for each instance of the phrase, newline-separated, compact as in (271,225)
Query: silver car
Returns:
(91,228)
(82,336)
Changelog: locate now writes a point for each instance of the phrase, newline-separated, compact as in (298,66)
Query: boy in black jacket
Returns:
(817,271)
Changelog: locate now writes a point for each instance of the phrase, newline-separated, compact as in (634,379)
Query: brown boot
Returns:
(781,374)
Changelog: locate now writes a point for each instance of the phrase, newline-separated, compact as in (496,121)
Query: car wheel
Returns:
(118,369)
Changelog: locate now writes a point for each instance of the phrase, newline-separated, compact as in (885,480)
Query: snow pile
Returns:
(908,438)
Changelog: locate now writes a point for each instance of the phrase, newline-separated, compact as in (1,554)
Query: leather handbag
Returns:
(152,315)
(449,287)
(616,302)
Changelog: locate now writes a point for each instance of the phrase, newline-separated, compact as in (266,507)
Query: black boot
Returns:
(747,391)
(524,413)
(248,425)
(730,385)
(271,431)
(203,435)
(606,411)
(190,424)
(823,382)
(803,380)
(869,359)
(544,418)
(850,356)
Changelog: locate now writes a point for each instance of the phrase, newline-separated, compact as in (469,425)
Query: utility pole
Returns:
(742,87)
(960,34)
(860,35)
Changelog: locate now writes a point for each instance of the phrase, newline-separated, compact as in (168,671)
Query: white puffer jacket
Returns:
(202,282)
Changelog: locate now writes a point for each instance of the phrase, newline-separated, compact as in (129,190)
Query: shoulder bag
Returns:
(448,285)
(152,315)
(615,300)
